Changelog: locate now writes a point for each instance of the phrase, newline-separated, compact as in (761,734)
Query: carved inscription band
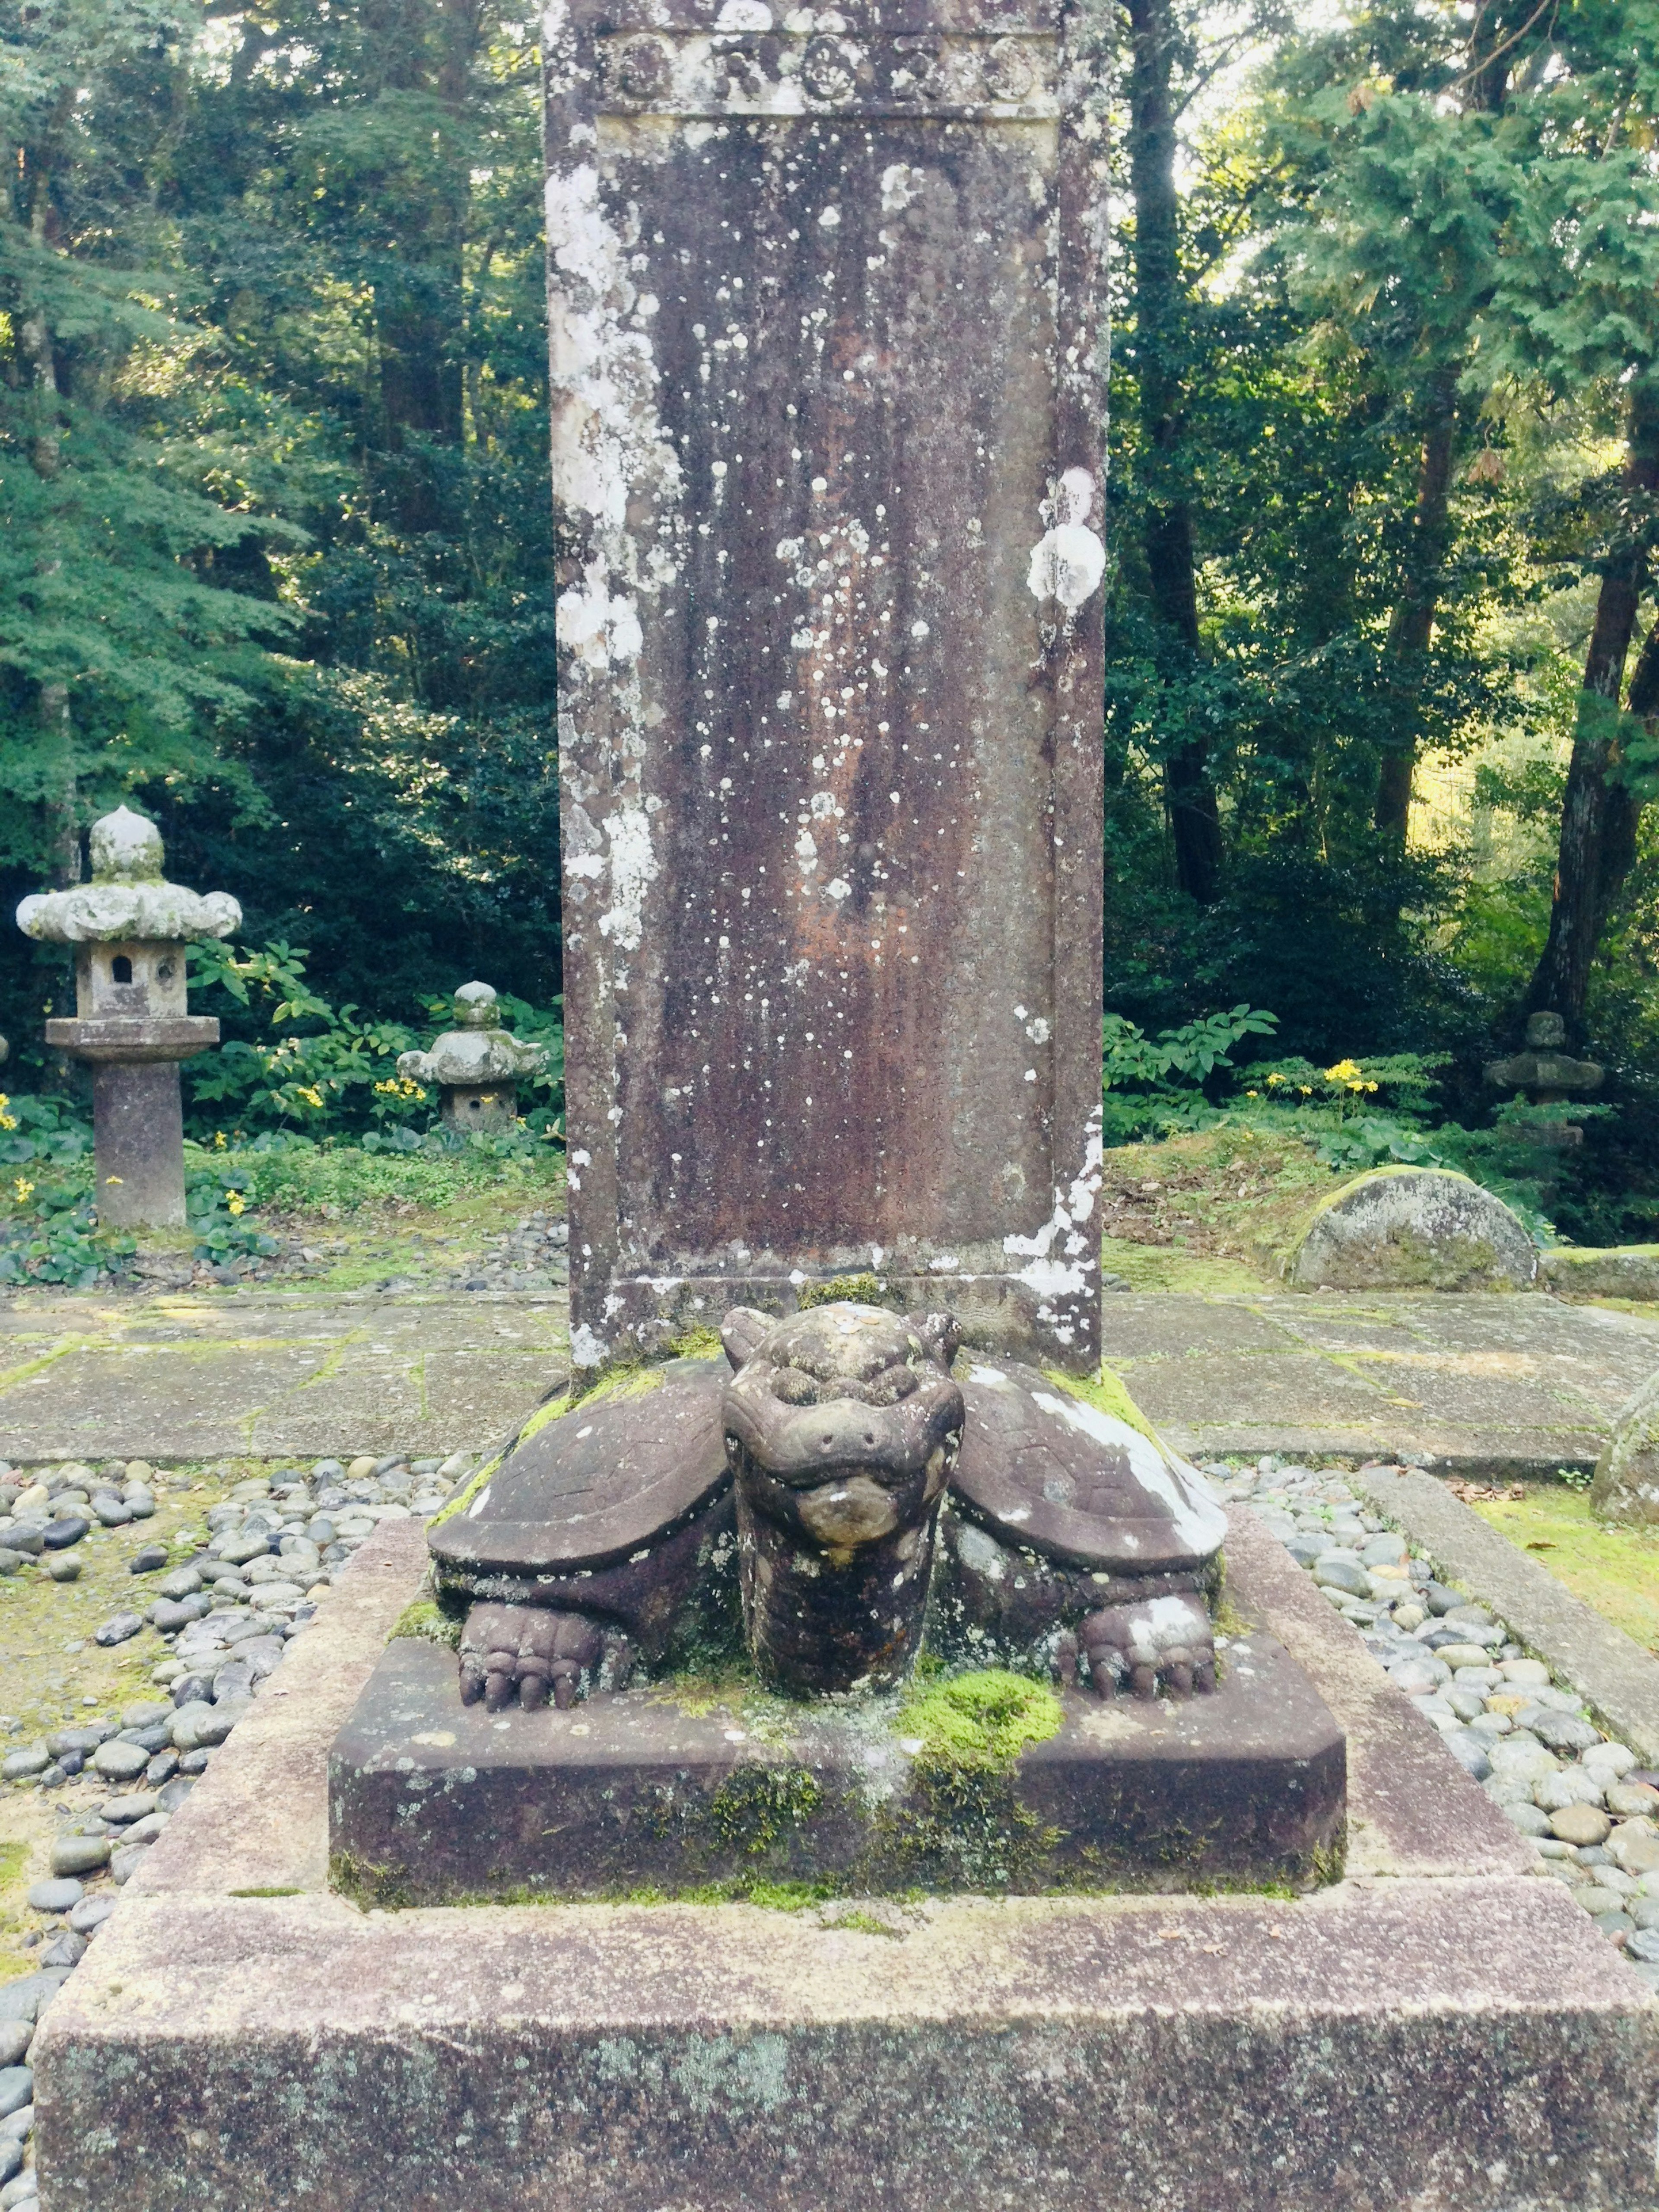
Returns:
(1009,77)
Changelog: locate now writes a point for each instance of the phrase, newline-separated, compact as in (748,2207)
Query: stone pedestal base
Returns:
(139,1132)
(430,1800)
(1440,2032)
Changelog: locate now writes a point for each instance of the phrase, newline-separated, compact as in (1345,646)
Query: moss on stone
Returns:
(978,1723)
(427,1621)
(758,1807)
(1109,1394)
(469,1490)
(856,1290)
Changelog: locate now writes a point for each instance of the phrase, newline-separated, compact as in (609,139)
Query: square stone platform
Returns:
(1442,2031)
(434,1803)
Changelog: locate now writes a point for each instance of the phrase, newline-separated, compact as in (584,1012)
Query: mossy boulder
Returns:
(1413,1229)
(1625,1487)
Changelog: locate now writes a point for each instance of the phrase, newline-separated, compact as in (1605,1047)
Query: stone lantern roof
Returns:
(128,900)
(477,1052)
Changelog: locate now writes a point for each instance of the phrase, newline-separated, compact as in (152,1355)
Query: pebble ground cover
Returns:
(1585,1801)
(142,1610)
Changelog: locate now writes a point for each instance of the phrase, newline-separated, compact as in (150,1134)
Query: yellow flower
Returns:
(219,1140)
(1304,1089)
(1344,1072)
(1271,1079)
(310,1093)
(7,1121)
(236,1203)
(23,1190)
(1253,1094)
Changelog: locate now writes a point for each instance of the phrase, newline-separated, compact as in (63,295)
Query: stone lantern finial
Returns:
(130,926)
(478,1066)
(126,847)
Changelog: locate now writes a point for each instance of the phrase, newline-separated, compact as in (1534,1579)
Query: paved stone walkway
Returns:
(1465,1384)
(270,1375)
(1491,1385)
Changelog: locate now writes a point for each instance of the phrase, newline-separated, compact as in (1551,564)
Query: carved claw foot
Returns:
(1164,1641)
(524,1653)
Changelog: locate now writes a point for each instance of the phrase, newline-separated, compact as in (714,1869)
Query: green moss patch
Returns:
(1614,1570)
(857,1289)
(427,1622)
(981,1722)
(1108,1394)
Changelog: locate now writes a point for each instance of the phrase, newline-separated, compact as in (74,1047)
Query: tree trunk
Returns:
(1411,624)
(1598,815)
(1189,793)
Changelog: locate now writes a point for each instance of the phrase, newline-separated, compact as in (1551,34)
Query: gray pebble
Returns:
(16,2037)
(1527,1819)
(73,1855)
(120,1762)
(18,1765)
(55,1896)
(11,2159)
(19,2193)
(16,2089)
(1645,1945)
(119,1629)
(91,1913)
(173,1794)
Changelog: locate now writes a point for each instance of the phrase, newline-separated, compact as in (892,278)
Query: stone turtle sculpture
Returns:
(839,1488)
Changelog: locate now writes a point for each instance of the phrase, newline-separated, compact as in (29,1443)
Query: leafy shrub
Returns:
(311,1067)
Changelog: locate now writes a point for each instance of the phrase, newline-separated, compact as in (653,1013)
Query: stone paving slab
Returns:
(208,1377)
(1434,2033)
(1466,1384)
(1469,1384)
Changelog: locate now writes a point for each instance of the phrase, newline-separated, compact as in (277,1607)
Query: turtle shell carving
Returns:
(1048,1471)
(587,1489)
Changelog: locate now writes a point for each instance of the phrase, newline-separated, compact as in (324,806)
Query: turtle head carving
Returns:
(841,1428)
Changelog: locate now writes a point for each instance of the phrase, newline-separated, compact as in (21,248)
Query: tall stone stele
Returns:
(130,929)
(476,1066)
(826,329)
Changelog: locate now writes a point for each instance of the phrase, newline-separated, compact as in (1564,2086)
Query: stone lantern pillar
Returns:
(476,1066)
(129,928)
(1548,1076)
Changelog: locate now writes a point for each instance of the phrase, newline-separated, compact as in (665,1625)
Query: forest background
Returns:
(1381,727)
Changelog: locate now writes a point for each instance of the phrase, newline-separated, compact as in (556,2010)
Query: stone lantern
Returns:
(1548,1076)
(130,929)
(476,1066)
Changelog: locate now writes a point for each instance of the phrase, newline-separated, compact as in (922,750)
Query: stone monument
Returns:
(129,928)
(826,358)
(1549,1077)
(476,1066)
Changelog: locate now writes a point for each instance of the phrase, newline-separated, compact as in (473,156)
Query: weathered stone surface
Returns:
(267,1374)
(1626,1484)
(842,1426)
(478,1066)
(827,456)
(430,1803)
(130,1023)
(1615,1271)
(1405,1227)
(1226,2054)
(1051,1471)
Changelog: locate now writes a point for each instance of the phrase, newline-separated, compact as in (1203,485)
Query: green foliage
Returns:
(322,1071)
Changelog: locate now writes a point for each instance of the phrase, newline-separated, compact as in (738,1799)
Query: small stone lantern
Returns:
(1548,1076)
(476,1066)
(130,929)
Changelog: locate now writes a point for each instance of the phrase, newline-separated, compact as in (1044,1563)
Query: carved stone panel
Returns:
(827,361)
